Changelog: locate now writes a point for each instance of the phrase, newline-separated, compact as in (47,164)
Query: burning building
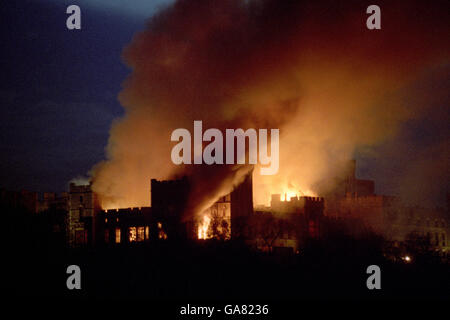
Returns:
(284,225)
(224,219)
(288,223)
(88,224)
(126,225)
(169,199)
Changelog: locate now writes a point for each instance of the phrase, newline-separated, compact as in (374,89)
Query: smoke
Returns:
(311,69)
(415,163)
(80,180)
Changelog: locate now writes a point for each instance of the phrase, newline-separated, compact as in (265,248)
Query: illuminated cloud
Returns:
(329,84)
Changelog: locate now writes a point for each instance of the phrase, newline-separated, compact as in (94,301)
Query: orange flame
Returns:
(203,227)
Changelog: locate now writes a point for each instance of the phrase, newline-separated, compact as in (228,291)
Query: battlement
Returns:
(297,204)
(80,188)
(130,210)
(304,199)
(313,199)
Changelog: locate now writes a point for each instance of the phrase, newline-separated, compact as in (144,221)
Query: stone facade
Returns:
(83,204)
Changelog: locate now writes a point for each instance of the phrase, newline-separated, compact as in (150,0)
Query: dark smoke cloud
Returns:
(311,69)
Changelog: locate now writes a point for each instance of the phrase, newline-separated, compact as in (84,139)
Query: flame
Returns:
(203,227)
(288,193)
(161,233)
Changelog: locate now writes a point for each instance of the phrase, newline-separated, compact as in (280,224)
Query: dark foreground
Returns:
(215,271)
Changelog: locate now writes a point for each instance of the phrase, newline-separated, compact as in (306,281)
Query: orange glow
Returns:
(161,234)
(407,259)
(287,192)
(300,193)
(203,227)
(323,91)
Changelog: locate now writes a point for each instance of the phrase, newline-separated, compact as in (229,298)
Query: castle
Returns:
(285,225)
(89,224)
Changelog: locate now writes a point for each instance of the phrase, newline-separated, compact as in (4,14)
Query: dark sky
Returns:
(58,89)
(58,96)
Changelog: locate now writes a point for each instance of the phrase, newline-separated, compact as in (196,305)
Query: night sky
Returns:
(59,87)
(59,97)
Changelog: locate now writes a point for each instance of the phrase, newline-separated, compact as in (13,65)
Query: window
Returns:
(313,230)
(140,234)
(147,232)
(81,237)
(161,233)
(132,236)
(81,198)
(106,235)
(117,235)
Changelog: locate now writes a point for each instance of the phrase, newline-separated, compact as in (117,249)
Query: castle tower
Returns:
(83,204)
(241,207)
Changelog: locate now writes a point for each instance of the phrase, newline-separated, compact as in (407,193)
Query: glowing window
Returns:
(161,233)
(147,231)
(140,234)
(132,236)
(117,235)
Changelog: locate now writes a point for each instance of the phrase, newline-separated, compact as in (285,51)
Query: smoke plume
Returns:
(311,69)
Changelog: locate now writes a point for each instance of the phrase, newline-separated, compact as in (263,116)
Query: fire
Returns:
(203,227)
(288,193)
(161,233)
(288,185)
